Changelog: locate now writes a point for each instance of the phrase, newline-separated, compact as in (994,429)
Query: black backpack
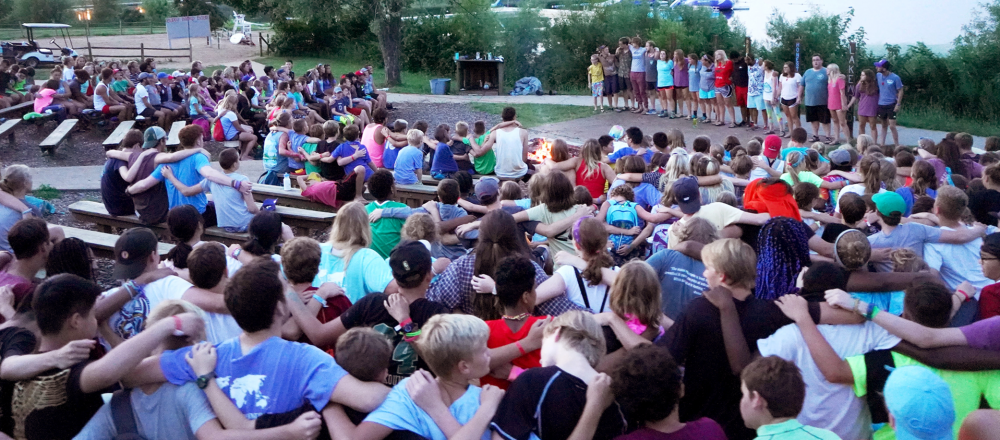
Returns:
(122,415)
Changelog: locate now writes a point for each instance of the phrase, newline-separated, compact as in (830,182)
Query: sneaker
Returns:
(651,112)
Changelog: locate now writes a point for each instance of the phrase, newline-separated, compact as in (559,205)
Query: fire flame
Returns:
(542,151)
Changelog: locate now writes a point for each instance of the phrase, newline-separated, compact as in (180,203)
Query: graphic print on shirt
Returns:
(245,393)
(36,394)
(133,317)
(404,356)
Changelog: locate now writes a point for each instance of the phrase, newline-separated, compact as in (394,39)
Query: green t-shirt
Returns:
(967,388)
(309,148)
(385,232)
(120,86)
(804,176)
(484,164)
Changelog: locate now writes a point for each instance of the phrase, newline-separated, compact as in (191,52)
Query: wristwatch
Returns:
(409,327)
(202,381)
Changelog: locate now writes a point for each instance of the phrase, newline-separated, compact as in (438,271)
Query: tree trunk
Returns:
(389,23)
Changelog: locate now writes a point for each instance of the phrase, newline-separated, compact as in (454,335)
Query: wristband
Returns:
(26,211)
(319,300)
(520,348)
(514,372)
(872,311)
(965,296)
(237,252)
(178,328)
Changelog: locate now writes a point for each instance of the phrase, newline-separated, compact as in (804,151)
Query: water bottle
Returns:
(694,121)
(287,182)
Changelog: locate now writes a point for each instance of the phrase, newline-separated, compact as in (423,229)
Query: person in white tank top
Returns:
(104,101)
(508,144)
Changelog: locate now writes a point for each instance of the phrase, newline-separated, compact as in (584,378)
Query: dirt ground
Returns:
(219,53)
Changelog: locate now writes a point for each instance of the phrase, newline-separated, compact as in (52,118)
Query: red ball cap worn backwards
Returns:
(772,146)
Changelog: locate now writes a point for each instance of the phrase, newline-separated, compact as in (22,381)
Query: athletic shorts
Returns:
(650,85)
(346,120)
(817,113)
(597,89)
(724,91)
(665,88)
(356,111)
(788,102)
(610,85)
(624,83)
(106,110)
(756,102)
(741,96)
(148,112)
(706,94)
(887,112)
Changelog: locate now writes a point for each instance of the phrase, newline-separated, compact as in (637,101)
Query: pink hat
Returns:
(772,146)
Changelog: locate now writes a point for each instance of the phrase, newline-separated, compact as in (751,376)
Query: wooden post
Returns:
(746,44)
(852,48)
(715,42)
(121,28)
(798,48)
(142,51)
(151,26)
(260,43)
(190,54)
(90,52)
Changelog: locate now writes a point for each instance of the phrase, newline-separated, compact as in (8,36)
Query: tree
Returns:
(200,7)
(106,11)
(159,10)
(388,25)
(819,33)
(44,11)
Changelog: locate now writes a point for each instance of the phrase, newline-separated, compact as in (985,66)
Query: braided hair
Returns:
(783,250)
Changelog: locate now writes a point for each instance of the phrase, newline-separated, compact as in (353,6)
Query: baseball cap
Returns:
(131,251)
(881,62)
(337,89)
(487,186)
(840,157)
(269,205)
(162,75)
(145,75)
(772,146)
(889,202)
(409,260)
(152,136)
(921,403)
(687,194)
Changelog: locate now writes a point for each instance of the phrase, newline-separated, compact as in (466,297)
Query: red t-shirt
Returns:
(723,74)
(989,301)
(334,307)
(500,335)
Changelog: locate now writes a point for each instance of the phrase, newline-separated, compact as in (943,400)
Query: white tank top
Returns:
(508,149)
(98,100)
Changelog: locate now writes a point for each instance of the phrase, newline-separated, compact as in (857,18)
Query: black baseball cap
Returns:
(131,251)
(409,260)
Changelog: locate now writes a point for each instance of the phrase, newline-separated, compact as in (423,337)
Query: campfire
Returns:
(543,150)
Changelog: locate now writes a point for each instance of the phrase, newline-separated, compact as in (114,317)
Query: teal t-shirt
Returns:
(815,82)
(365,273)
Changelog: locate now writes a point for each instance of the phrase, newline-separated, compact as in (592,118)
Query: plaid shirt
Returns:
(453,288)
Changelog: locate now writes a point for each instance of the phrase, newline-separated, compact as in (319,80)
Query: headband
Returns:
(576,229)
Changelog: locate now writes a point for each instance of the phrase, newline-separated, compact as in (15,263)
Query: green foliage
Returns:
(820,33)
(44,11)
(158,10)
(200,7)
(106,10)
(46,192)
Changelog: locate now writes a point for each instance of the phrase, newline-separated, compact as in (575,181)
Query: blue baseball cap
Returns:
(921,403)
(687,194)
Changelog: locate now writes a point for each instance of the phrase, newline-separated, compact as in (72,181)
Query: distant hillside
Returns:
(940,49)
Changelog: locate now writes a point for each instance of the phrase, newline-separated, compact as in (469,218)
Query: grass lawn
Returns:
(413,82)
(533,115)
(933,119)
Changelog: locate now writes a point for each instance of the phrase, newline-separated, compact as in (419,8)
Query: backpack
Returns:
(217,132)
(123,416)
(621,215)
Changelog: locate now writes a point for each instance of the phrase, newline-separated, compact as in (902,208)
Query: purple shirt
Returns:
(984,335)
(867,104)
(680,75)
(701,429)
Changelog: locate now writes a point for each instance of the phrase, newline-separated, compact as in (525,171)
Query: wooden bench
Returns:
(173,138)
(52,141)
(95,212)
(103,245)
(292,198)
(18,109)
(8,129)
(116,136)
(415,196)
(427,179)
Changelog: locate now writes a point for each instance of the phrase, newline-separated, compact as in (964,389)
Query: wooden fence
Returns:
(143,52)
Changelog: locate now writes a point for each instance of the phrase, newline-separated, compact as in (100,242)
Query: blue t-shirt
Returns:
(815,84)
(785,151)
(187,171)
(664,73)
(707,76)
(230,208)
(400,413)
(347,149)
(228,120)
(444,160)
(341,105)
(694,77)
(366,273)
(295,142)
(888,86)
(408,161)
(277,376)
(389,155)
(646,195)
(908,197)
(629,151)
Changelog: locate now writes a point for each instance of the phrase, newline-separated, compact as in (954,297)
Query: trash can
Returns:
(440,86)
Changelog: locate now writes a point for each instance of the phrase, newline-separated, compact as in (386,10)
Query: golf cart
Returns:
(29,54)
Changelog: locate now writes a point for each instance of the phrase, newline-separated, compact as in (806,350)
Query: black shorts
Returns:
(817,113)
(624,83)
(787,102)
(148,112)
(887,112)
(650,85)
(610,85)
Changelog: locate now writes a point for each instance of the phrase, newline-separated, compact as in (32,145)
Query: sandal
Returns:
(830,140)
(718,124)
(769,132)
(732,125)
(814,139)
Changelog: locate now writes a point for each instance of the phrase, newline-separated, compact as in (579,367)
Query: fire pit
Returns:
(541,149)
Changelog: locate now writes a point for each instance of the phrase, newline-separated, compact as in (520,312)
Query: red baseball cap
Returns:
(772,146)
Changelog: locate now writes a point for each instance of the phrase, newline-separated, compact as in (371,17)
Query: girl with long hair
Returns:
(702,165)
(681,81)
(694,85)
(186,227)
(557,204)
(870,168)
(457,287)
(836,84)
(789,84)
(772,102)
(636,311)
(724,89)
(588,288)
(866,96)
(347,258)
(591,171)
(783,250)
(799,167)
(949,155)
